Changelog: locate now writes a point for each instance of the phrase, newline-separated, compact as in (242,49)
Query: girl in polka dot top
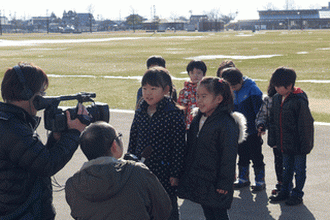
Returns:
(159,128)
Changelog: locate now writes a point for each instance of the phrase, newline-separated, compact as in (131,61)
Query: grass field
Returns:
(83,62)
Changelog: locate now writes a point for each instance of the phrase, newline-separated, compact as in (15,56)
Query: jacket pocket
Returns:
(200,191)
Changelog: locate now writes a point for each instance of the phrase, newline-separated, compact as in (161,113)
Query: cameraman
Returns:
(26,164)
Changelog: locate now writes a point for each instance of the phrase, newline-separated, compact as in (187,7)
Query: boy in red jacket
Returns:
(196,70)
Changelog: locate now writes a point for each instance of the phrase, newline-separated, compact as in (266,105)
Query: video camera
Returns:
(55,117)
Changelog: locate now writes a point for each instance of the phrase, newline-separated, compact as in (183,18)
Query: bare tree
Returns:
(289,5)
(136,20)
(174,16)
(270,6)
(315,6)
(214,14)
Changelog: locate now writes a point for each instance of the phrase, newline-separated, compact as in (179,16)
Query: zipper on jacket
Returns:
(281,129)
(281,133)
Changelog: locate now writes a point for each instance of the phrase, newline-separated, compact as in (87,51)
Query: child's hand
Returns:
(221,191)
(57,135)
(261,131)
(174,181)
(274,146)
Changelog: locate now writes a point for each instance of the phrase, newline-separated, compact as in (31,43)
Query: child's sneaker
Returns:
(294,200)
(281,196)
(259,186)
(240,183)
(243,178)
(259,179)
(277,189)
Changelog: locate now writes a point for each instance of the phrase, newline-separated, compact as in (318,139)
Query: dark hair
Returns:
(198,64)
(35,79)
(156,61)
(233,75)
(96,140)
(218,86)
(159,77)
(223,65)
(283,76)
(271,91)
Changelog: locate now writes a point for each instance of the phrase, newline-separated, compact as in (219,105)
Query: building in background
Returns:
(287,19)
(73,22)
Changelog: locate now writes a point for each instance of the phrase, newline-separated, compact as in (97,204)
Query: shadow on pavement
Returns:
(246,205)
(300,212)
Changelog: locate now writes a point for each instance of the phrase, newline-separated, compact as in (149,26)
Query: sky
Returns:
(120,9)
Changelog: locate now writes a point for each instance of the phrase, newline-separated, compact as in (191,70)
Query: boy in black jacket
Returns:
(291,130)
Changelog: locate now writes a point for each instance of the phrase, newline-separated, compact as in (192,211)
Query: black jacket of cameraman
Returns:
(26,164)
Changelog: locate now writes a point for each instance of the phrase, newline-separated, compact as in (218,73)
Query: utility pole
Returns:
(47,21)
(90,10)
(90,23)
(133,19)
(154,18)
(0,24)
(133,22)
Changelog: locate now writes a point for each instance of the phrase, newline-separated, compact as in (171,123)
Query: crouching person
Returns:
(107,187)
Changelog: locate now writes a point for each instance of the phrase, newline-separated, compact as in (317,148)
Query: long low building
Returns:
(287,19)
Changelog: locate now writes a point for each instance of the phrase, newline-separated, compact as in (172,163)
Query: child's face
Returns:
(196,75)
(153,94)
(206,101)
(283,91)
(236,87)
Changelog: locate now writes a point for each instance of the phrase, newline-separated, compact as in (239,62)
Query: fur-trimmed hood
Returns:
(240,120)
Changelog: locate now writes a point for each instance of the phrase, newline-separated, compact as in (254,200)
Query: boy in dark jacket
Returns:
(291,130)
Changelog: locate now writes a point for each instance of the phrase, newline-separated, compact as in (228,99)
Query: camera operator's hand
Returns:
(76,124)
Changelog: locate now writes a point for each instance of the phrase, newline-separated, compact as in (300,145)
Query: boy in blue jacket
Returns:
(248,99)
(291,130)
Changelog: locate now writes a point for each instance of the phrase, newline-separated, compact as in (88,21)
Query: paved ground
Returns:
(319,105)
(246,205)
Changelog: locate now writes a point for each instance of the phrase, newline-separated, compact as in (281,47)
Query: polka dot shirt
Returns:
(164,131)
